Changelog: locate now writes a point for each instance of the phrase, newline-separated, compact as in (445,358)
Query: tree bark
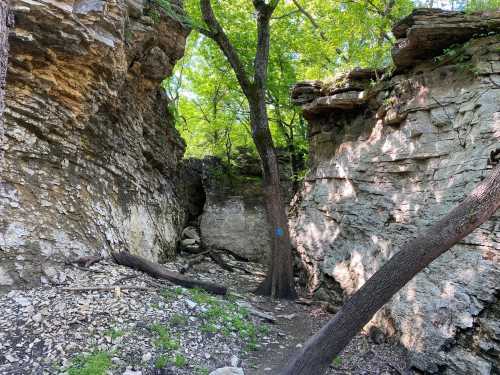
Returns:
(4,57)
(279,282)
(160,272)
(413,257)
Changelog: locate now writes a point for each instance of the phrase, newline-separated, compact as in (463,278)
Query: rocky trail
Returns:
(133,324)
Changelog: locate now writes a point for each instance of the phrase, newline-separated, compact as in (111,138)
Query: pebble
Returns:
(235,361)
(228,371)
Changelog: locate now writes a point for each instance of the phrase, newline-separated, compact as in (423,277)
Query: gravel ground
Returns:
(167,330)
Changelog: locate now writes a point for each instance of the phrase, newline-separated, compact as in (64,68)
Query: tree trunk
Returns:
(160,272)
(279,281)
(414,256)
(4,56)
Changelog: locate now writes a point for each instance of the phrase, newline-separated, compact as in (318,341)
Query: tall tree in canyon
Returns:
(413,257)
(4,55)
(279,281)
(258,91)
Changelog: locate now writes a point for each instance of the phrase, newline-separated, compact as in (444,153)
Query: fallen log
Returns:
(85,261)
(104,288)
(217,258)
(158,271)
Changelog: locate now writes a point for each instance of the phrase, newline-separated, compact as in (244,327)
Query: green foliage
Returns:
(203,298)
(211,110)
(227,317)
(457,54)
(170,294)
(202,371)
(178,320)
(337,362)
(97,363)
(482,5)
(114,333)
(161,361)
(163,338)
(179,360)
(154,15)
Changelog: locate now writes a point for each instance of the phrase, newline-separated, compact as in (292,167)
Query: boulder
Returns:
(237,224)
(228,371)
(191,233)
(344,101)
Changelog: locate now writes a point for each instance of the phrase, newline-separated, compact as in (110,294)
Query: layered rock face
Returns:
(389,159)
(234,216)
(90,149)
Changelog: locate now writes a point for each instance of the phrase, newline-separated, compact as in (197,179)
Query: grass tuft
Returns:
(97,363)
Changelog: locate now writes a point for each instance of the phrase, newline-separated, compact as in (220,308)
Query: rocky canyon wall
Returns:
(91,152)
(391,156)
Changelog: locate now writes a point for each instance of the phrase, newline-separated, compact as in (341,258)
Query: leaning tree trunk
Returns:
(414,256)
(4,55)
(279,280)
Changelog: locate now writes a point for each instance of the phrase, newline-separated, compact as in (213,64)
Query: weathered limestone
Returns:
(234,217)
(90,151)
(382,171)
(426,32)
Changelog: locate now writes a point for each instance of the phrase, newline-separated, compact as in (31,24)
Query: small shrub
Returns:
(178,320)
(482,5)
(97,363)
(203,298)
(114,333)
(164,340)
(161,361)
(202,371)
(179,360)
(337,362)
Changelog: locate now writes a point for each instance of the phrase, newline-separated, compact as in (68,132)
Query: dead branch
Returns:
(160,272)
(86,261)
(217,258)
(105,288)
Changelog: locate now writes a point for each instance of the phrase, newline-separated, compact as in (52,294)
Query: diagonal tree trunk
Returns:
(414,256)
(4,56)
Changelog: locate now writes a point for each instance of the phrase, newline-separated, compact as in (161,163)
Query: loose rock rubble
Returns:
(48,330)
(43,330)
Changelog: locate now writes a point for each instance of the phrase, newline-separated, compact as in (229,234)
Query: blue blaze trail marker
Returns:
(280,232)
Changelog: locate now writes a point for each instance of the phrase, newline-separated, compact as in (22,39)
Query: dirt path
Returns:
(296,323)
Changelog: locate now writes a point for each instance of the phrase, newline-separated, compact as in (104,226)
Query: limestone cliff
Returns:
(90,149)
(391,156)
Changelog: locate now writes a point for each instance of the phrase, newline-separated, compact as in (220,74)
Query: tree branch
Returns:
(311,19)
(264,13)
(217,34)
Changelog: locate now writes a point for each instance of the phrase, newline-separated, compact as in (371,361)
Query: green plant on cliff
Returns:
(482,5)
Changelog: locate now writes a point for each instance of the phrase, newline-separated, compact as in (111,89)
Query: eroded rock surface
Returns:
(395,164)
(426,32)
(90,150)
(234,217)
